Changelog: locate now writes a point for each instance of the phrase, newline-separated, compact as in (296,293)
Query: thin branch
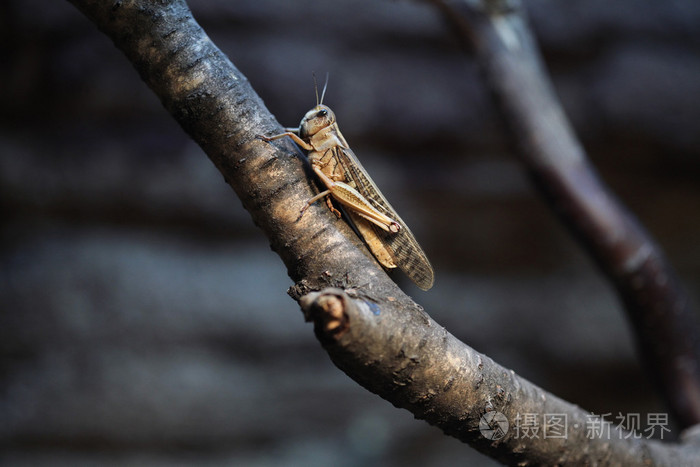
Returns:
(381,338)
(666,327)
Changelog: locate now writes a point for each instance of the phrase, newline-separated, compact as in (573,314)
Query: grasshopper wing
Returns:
(402,246)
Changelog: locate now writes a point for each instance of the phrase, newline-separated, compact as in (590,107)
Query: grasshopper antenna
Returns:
(323,93)
(313,73)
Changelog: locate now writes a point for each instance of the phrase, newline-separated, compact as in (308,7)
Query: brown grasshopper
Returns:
(347,182)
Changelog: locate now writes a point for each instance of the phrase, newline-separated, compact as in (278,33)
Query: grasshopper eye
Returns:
(322,113)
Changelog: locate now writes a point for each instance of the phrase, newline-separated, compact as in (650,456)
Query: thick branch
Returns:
(217,107)
(401,354)
(666,327)
(384,340)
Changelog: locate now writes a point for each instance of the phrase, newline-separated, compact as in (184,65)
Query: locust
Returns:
(348,183)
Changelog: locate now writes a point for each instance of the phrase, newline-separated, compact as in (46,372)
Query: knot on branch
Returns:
(328,311)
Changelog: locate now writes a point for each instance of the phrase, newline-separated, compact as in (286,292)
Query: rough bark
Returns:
(400,353)
(215,104)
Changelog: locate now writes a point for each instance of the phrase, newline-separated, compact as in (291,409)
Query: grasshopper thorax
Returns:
(315,120)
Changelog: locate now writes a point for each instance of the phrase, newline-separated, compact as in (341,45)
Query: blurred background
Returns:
(144,319)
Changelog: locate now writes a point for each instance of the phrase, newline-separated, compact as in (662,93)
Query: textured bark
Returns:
(400,353)
(372,331)
(215,104)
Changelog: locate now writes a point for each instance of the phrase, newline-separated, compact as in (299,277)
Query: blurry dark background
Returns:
(144,319)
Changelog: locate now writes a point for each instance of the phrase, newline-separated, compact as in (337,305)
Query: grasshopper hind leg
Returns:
(329,203)
(327,194)
(312,201)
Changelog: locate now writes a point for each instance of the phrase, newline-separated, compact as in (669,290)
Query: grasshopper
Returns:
(347,182)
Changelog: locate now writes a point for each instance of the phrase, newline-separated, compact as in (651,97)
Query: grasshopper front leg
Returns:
(292,135)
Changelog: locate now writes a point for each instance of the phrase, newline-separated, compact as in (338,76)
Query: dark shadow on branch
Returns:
(371,330)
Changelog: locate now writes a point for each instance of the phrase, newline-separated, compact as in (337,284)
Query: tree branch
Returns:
(372,331)
(401,354)
(666,327)
(215,104)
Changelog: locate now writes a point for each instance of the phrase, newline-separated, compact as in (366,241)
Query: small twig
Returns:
(666,328)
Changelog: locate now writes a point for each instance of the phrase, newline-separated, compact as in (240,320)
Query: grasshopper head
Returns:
(316,120)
